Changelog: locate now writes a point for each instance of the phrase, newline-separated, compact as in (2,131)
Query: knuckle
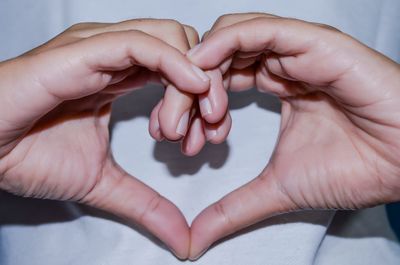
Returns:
(221,20)
(78,26)
(173,30)
(329,27)
(123,37)
(205,35)
(191,31)
(220,209)
(172,23)
(151,207)
(225,16)
(192,35)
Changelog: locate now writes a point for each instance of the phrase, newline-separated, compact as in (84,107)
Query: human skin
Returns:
(338,144)
(55,106)
(208,121)
(339,141)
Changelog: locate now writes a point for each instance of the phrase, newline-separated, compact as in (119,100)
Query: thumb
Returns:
(257,200)
(33,85)
(121,194)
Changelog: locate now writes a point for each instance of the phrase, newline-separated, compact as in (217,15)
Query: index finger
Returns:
(280,35)
(86,67)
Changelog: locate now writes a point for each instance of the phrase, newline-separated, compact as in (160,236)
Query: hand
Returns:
(55,105)
(339,141)
(193,118)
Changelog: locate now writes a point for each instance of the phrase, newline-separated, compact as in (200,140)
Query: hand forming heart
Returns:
(55,110)
(338,145)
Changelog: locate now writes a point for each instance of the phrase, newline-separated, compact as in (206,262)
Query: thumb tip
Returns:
(198,254)
(180,256)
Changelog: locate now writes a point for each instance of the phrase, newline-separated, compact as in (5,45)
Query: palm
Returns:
(67,148)
(322,160)
(333,151)
(65,154)
(338,144)
(54,139)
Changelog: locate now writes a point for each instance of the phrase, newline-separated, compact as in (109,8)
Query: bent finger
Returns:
(154,125)
(281,35)
(195,139)
(50,79)
(214,103)
(174,113)
(218,132)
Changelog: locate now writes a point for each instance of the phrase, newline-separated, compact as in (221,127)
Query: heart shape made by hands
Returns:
(332,150)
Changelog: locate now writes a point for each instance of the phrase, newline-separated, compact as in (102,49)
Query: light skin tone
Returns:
(338,145)
(55,110)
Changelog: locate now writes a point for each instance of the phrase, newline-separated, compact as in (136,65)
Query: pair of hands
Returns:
(338,144)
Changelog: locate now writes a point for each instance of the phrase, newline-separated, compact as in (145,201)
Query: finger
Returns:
(137,78)
(86,67)
(191,35)
(154,125)
(228,20)
(251,203)
(205,35)
(214,103)
(120,50)
(164,29)
(174,114)
(272,82)
(282,36)
(218,132)
(325,26)
(121,194)
(226,80)
(175,111)
(195,139)
(308,53)
(168,30)
(213,106)
(242,63)
(200,131)
(70,35)
(87,26)
(242,79)
(231,19)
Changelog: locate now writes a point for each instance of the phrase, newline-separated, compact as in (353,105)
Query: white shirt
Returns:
(51,233)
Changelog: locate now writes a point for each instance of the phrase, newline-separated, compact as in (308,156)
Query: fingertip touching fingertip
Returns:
(181,257)
(198,255)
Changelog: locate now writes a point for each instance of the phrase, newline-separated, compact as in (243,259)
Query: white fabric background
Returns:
(52,233)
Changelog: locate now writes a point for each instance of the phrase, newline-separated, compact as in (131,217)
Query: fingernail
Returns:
(158,131)
(200,73)
(226,83)
(176,254)
(160,136)
(210,133)
(205,106)
(201,254)
(164,81)
(192,51)
(183,124)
